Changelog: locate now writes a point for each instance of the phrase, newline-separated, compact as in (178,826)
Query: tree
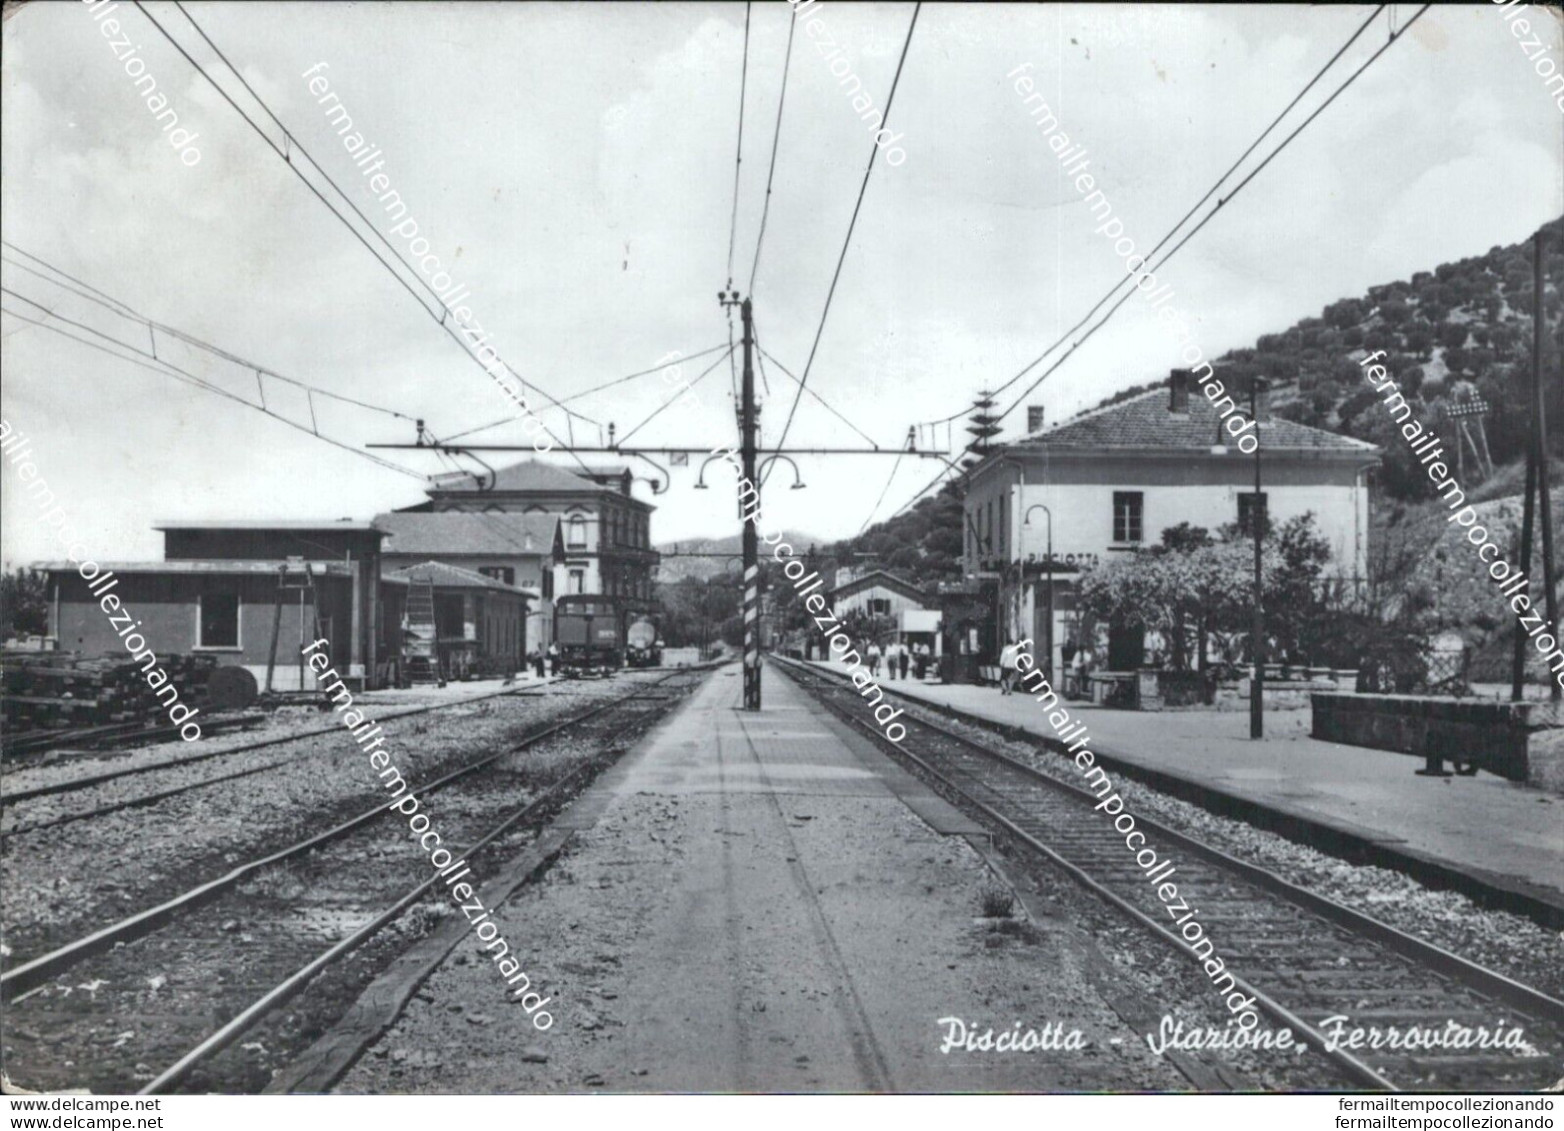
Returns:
(24,603)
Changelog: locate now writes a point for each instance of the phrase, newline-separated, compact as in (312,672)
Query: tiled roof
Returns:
(264,524)
(462,532)
(884,580)
(264,567)
(528,475)
(1144,422)
(449,577)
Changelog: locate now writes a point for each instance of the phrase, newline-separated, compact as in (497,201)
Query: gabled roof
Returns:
(449,533)
(884,580)
(213,567)
(1144,423)
(325,525)
(447,576)
(528,475)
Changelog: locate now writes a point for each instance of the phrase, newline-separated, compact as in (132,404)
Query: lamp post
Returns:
(1048,565)
(1257,632)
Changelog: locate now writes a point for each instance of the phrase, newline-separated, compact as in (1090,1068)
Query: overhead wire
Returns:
(761,350)
(294,143)
(883,491)
(286,155)
(167,369)
(127,313)
(1205,220)
(587,392)
(776,137)
(738,157)
(1238,188)
(659,410)
(1215,185)
(874,154)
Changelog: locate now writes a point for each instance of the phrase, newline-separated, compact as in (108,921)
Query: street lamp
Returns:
(1256,520)
(1048,564)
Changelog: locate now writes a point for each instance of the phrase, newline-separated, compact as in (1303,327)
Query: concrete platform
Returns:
(750,902)
(1504,837)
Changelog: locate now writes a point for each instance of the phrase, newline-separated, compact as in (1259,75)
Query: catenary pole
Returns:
(1257,518)
(751,547)
(1540,439)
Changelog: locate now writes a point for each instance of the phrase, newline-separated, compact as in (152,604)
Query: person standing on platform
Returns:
(1007,666)
(902,659)
(874,659)
(553,658)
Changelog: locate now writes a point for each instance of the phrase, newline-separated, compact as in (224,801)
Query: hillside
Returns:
(1463,326)
(675,567)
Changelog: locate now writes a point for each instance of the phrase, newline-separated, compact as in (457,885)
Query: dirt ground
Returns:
(755,910)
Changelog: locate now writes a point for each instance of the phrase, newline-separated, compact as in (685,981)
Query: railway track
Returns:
(138,993)
(1304,958)
(70,785)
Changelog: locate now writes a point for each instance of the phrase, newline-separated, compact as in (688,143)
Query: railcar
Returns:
(589,632)
(643,644)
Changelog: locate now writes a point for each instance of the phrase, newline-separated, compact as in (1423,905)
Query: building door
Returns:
(1043,634)
(1126,648)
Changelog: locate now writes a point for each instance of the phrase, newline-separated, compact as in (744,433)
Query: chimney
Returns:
(1034,418)
(1178,391)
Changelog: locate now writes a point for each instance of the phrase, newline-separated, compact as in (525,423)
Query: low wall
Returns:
(1511,740)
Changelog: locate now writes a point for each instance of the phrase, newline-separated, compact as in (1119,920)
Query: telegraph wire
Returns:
(874,153)
(1185,219)
(166,369)
(776,137)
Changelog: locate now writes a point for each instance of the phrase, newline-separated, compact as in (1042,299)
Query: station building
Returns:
(539,527)
(229,588)
(1108,482)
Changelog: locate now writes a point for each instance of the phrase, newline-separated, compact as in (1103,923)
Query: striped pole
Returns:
(751,546)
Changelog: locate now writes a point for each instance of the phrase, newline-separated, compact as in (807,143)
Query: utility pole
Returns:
(1544,501)
(751,539)
(1257,630)
(1537,473)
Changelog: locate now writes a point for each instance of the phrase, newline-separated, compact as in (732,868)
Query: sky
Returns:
(573,165)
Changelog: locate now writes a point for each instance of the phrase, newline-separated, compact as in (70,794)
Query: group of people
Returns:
(1079,660)
(537,656)
(899,659)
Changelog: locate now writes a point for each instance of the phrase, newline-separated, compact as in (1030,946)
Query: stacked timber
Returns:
(62,689)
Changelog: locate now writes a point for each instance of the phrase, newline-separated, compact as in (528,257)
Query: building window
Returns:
(879,606)
(499,573)
(576,532)
(1128,511)
(577,583)
(548,584)
(1246,513)
(218,621)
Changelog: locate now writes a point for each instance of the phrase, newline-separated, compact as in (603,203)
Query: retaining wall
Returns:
(1507,739)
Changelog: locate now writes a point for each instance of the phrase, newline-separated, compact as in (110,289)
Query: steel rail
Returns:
(36,971)
(238,1025)
(146,768)
(1524,998)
